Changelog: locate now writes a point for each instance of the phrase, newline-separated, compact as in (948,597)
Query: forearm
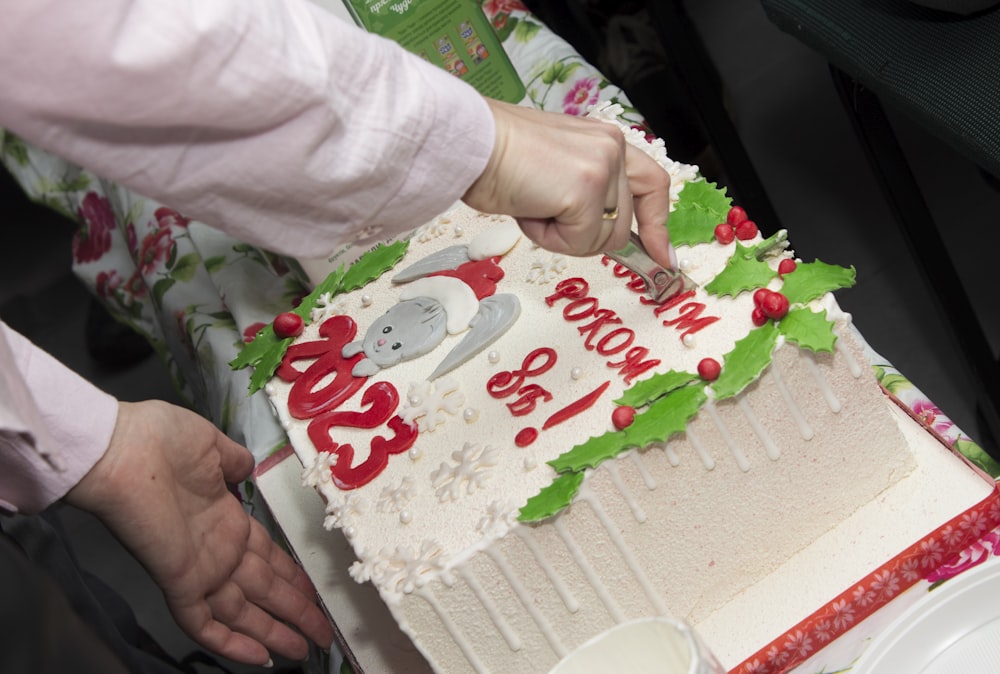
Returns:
(54,425)
(250,115)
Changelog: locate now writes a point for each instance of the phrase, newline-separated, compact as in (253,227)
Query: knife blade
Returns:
(661,283)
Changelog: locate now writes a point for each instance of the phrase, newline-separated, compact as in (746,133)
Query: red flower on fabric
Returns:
(582,95)
(493,7)
(932,416)
(252,330)
(108,282)
(168,217)
(135,287)
(97,220)
(155,249)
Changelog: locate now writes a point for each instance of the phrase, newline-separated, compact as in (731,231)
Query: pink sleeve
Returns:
(274,121)
(54,425)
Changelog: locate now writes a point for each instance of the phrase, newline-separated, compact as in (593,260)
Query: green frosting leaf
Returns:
(373,264)
(746,361)
(266,350)
(813,279)
(551,499)
(668,415)
(743,272)
(701,206)
(648,390)
(810,330)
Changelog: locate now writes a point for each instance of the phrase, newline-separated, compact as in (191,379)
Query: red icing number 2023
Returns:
(322,405)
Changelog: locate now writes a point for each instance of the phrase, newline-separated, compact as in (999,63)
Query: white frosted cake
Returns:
(524,450)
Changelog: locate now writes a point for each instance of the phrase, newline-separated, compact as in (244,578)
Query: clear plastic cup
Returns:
(644,646)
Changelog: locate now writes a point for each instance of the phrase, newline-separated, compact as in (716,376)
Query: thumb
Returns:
(236,461)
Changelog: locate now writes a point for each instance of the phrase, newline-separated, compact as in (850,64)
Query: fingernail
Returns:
(673,256)
(269,664)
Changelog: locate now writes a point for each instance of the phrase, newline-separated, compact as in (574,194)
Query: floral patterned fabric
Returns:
(197,294)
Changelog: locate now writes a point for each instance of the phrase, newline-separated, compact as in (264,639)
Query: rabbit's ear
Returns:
(495,316)
(446,259)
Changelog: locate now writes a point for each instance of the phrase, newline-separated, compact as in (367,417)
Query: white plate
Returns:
(954,629)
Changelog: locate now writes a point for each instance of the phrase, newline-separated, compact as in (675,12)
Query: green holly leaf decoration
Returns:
(266,350)
(810,330)
(657,386)
(814,279)
(371,265)
(743,272)
(668,415)
(746,361)
(551,499)
(700,206)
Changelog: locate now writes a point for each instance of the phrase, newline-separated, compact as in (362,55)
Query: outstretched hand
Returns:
(564,178)
(161,488)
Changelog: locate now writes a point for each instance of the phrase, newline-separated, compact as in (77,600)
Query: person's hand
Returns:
(161,488)
(573,183)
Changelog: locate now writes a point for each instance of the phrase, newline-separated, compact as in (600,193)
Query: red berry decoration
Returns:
(736,215)
(288,324)
(724,233)
(759,295)
(775,306)
(709,369)
(786,266)
(623,417)
(758,317)
(746,230)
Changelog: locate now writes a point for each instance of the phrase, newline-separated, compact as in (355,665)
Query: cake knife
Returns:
(661,283)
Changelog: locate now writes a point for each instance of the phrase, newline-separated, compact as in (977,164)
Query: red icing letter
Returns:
(571,288)
(303,401)
(505,383)
(382,400)
(633,365)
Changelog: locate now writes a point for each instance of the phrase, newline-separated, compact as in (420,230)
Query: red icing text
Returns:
(602,331)
(322,406)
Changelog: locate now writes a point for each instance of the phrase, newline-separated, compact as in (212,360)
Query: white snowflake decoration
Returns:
(328,305)
(402,570)
(498,518)
(319,472)
(427,403)
(473,466)
(439,226)
(394,499)
(343,514)
(546,268)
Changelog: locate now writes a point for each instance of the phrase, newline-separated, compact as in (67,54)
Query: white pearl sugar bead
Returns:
(470,414)
(688,341)
(405,516)
(459,231)
(366,300)
(576,373)
(414,454)
(684,264)
(493,356)
(349,531)
(414,400)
